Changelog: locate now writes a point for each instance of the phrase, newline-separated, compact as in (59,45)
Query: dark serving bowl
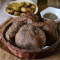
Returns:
(28,54)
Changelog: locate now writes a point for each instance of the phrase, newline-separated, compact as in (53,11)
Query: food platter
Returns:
(28,53)
(39,53)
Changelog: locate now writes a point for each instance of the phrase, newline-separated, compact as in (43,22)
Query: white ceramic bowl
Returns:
(19,2)
(53,10)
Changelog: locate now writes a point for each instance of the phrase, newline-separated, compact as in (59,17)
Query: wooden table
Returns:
(5,54)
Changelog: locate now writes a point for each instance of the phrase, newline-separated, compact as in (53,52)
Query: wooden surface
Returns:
(54,3)
(5,54)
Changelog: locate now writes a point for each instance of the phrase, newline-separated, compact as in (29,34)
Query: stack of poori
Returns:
(29,32)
